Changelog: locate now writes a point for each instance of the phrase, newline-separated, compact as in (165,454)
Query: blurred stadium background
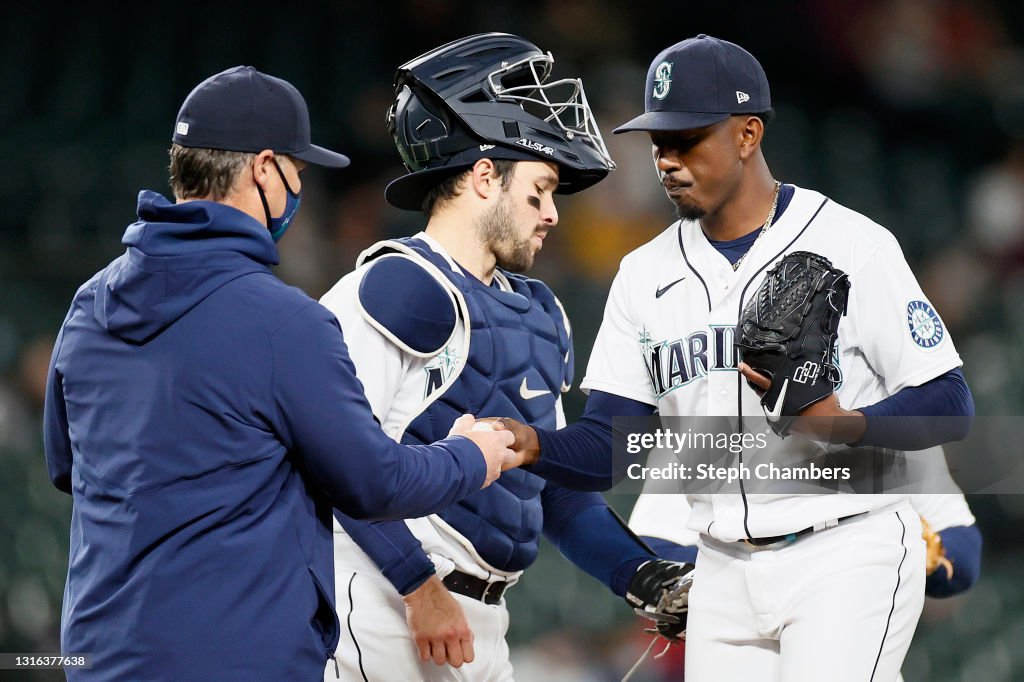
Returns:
(910,111)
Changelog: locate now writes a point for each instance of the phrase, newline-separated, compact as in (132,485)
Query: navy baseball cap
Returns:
(698,82)
(243,110)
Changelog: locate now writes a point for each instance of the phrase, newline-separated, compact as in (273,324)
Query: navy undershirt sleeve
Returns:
(580,455)
(666,549)
(906,420)
(589,535)
(963,549)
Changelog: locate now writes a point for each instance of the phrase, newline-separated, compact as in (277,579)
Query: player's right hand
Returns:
(526,446)
(493,444)
(824,421)
(438,624)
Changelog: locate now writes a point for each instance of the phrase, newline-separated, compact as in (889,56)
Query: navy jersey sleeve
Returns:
(325,420)
(666,549)
(393,547)
(580,456)
(587,533)
(906,420)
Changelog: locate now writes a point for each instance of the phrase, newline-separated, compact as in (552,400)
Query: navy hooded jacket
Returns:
(206,417)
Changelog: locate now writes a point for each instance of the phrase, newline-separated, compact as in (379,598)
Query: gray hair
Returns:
(197,173)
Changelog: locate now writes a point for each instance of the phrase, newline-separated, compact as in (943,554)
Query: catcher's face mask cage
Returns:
(561,103)
(492,89)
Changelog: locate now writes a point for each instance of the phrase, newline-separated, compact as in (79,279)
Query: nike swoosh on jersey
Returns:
(530,393)
(662,290)
(775,414)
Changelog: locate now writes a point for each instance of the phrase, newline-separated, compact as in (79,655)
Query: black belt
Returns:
(790,537)
(475,588)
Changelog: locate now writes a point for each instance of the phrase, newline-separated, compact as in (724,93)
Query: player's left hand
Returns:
(825,421)
(438,624)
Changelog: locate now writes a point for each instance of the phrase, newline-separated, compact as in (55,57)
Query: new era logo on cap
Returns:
(181,128)
(741,97)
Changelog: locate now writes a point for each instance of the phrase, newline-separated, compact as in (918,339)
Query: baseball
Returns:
(482,426)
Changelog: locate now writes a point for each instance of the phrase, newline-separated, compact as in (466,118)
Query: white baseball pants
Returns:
(376,645)
(840,604)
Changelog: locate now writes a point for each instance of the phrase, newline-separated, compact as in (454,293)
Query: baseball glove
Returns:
(787,333)
(660,591)
(936,553)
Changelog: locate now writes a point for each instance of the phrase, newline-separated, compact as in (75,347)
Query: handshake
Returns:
(504,442)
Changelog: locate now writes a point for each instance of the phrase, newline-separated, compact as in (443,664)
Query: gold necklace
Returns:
(767,224)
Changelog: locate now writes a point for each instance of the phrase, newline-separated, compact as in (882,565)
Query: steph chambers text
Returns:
(739,472)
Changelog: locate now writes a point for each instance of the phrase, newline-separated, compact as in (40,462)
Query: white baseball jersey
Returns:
(943,510)
(664,515)
(668,330)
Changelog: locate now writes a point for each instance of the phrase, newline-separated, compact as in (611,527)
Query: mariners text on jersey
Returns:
(671,364)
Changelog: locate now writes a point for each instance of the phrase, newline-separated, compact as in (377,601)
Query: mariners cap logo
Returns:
(925,326)
(662,80)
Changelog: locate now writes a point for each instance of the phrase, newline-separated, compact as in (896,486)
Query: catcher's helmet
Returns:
(488,96)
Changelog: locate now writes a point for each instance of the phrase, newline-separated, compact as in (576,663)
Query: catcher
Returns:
(444,323)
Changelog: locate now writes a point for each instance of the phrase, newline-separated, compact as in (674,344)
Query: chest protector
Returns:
(516,360)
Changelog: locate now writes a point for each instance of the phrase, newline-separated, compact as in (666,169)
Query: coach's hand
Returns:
(438,625)
(493,444)
(824,421)
(526,446)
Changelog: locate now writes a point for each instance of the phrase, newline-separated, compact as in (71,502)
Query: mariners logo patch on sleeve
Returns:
(925,326)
